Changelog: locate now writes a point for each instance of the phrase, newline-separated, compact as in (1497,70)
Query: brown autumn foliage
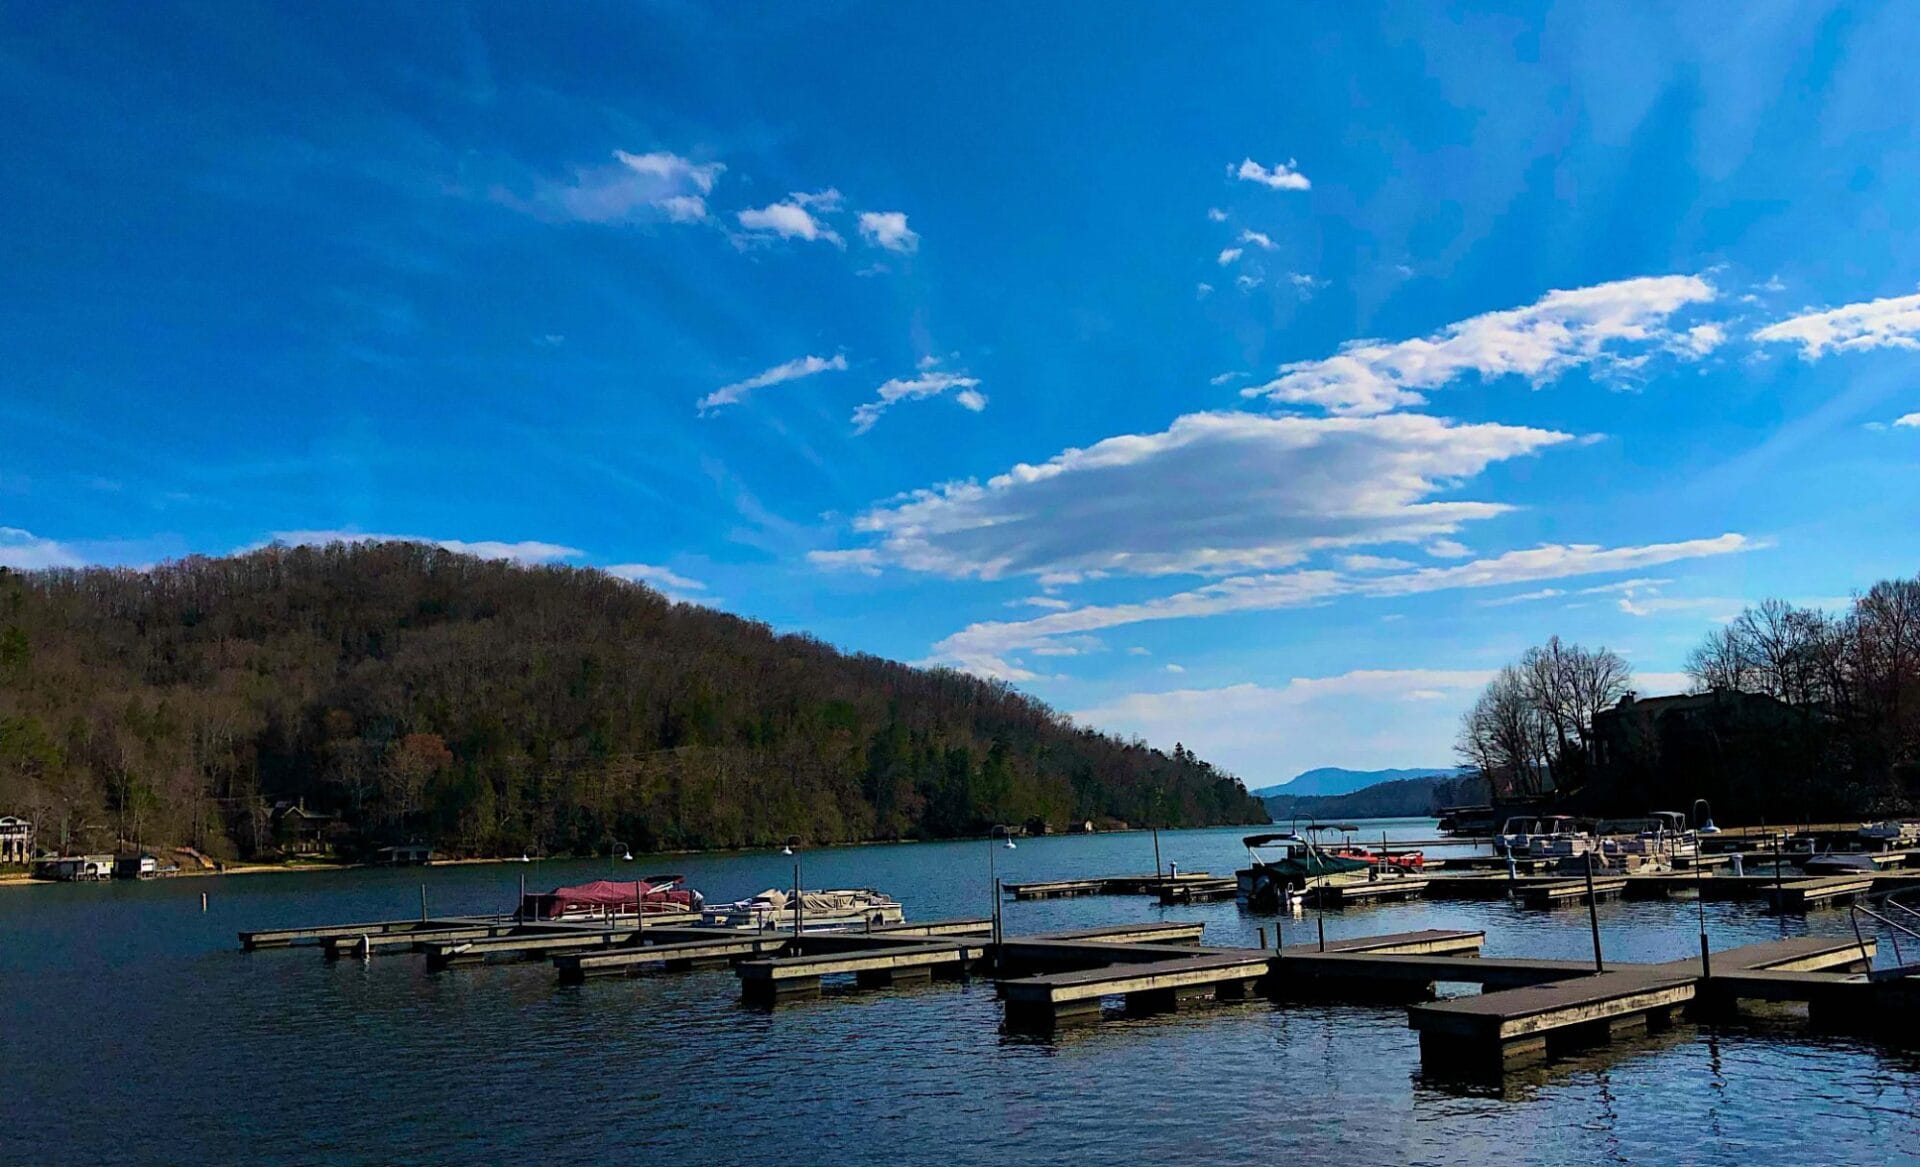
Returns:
(492,708)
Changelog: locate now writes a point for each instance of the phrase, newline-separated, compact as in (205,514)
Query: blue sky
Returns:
(1260,381)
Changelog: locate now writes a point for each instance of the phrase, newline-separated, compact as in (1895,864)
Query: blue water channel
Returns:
(134,1030)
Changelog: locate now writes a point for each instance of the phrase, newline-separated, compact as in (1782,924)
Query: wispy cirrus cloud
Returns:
(1892,322)
(1281,176)
(779,374)
(1561,331)
(1213,493)
(992,648)
(634,187)
(930,383)
(526,551)
(664,580)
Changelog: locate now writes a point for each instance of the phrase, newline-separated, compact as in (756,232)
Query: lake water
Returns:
(133,1030)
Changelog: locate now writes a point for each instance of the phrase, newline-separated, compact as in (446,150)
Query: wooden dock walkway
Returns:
(1500,1029)
(1802,894)
(669,956)
(1109,885)
(1554,892)
(1340,895)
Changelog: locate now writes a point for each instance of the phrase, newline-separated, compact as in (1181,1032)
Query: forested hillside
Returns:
(492,708)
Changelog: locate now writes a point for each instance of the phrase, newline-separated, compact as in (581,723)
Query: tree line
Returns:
(1792,713)
(493,708)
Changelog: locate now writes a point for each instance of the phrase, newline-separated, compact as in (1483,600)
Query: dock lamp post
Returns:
(999,831)
(788,849)
(1699,891)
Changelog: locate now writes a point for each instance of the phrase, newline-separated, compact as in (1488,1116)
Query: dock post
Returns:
(423,903)
(1779,901)
(1700,894)
(1593,917)
(1263,937)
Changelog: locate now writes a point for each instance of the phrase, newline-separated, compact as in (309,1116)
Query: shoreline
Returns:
(22,879)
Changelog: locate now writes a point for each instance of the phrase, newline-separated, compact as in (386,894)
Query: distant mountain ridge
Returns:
(1337,780)
(1394,798)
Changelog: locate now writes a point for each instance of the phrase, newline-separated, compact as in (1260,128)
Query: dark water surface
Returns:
(133,1030)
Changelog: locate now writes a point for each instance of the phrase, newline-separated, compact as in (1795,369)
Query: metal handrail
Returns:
(1856,909)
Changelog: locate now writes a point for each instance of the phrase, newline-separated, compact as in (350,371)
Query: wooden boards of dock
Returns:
(1801,894)
(1113,885)
(1497,1030)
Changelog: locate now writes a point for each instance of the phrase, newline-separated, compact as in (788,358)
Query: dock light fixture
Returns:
(1706,823)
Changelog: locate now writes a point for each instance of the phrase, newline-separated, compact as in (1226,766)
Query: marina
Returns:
(1123,974)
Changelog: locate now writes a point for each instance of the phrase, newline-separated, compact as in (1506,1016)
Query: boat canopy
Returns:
(1268,840)
(657,892)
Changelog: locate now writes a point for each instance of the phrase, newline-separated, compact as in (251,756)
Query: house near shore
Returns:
(16,840)
(299,831)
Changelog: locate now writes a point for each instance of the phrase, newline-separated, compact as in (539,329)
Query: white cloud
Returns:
(888,229)
(528,551)
(1050,603)
(786,371)
(927,384)
(1228,255)
(792,218)
(1284,176)
(1893,322)
(1305,284)
(25,551)
(1523,598)
(1247,283)
(864,560)
(664,578)
(1258,239)
(1448,549)
(1137,650)
(1202,290)
(1173,668)
(991,648)
(1213,493)
(1372,563)
(1702,339)
(636,187)
(1910,420)
(1368,718)
(1216,215)
(1559,332)
(1224,378)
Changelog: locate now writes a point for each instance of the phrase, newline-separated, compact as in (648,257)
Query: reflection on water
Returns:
(133,1030)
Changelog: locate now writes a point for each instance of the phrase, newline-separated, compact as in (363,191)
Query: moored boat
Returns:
(815,911)
(1270,883)
(650,895)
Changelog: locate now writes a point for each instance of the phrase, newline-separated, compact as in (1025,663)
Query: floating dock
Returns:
(1802,894)
(1108,885)
(1339,895)
(1552,892)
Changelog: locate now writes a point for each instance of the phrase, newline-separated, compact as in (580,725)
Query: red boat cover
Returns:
(616,895)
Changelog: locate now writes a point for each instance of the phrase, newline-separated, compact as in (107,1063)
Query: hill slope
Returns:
(1396,798)
(494,708)
(1335,780)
